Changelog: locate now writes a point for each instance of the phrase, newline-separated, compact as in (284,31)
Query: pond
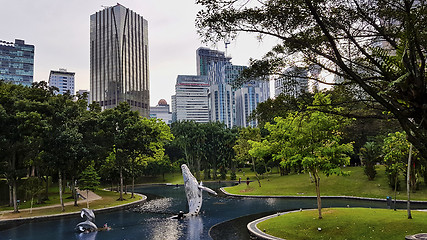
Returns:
(151,220)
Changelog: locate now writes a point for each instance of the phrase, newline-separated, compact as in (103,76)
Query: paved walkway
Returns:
(92,197)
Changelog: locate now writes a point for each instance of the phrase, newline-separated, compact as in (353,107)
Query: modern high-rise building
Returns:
(119,59)
(247,99)
(206,56)
(63,80)
(17,62)
(190,101)
(221,93)
(294,82)
(161,111)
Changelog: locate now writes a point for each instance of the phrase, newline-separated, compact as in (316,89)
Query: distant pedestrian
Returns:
(240,179)
(247,181)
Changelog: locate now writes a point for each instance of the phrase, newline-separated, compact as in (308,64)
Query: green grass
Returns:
(109,199)
(356,184)
(346,223)
(53,199)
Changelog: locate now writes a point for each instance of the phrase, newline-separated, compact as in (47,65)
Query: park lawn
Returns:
(53,199)
(176,177)
(346,223)
(355,184)
(109,199)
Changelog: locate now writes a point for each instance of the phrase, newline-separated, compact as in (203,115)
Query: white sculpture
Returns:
(193,190)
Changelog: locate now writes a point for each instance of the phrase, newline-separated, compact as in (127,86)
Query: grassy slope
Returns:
(356,184)
(346,223)
(109,199)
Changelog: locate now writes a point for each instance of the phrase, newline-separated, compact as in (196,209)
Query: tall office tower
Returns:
(247,99)
(221,93)
(294,82)
(63,80)
(119,59)
(206,56)
(17,62)
(190,101)
(161,111)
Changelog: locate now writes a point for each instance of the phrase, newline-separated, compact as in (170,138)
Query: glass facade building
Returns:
(17,62)
(119,59)
(247,99)
(63,80)
(206,56)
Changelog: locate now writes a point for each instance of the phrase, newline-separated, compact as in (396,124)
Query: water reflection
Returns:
(86,236)
(167,229)
(194,227)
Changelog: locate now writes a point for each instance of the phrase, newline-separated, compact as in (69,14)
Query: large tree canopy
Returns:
(378,45)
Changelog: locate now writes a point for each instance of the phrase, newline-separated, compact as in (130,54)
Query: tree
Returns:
(116,123)
(396,148)
(370,156)
(62,141)
(32,187)
(22,111)
(89,181)
(190,138)
(361,42)
(311,139)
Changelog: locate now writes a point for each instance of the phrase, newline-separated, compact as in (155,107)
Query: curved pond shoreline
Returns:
(258,234)
(9,223)
(323,197)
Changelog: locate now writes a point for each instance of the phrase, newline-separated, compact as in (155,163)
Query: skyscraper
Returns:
(63,80)
(205,57)
(17,62)
(119,59)
(247,99)
(190,101)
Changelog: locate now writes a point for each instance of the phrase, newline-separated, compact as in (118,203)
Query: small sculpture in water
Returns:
(193,190)
(89,225)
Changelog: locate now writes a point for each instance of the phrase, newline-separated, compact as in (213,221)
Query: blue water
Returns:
(151,220)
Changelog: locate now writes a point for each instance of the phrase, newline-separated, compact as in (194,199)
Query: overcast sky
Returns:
(59,30)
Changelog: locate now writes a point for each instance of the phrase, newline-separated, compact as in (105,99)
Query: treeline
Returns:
(45,136)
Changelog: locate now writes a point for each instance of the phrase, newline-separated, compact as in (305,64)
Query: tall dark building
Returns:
(119,59)
(205,57)
(17,62)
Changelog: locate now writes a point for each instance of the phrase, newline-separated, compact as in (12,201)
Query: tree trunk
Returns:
(121,184)
(256,174)
(74,191)
(10,195)
(15,200)
(87,198)
(319,200)
(214,172)
(60,191)
(395,190)
(198,169)
(133,186)
(47,188)
(408,183)
(31,207)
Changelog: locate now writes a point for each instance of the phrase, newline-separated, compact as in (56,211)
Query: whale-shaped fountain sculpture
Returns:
(88,225)
(193,190)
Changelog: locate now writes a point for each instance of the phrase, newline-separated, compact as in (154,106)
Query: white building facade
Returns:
(190,101)
(63,80)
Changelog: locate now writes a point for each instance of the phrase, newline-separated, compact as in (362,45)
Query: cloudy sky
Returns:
(59,29)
